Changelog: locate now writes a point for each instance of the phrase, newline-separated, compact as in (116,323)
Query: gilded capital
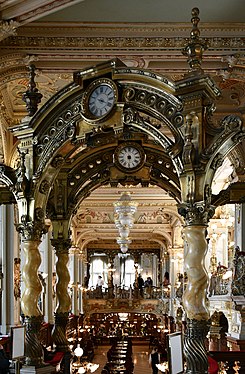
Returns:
(31,230)
(198,213)
(61,245)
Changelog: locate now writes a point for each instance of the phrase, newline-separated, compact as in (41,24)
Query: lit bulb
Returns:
(78,351)
(124,248)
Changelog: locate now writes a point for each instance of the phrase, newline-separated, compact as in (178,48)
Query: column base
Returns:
(59,331)
(194,348)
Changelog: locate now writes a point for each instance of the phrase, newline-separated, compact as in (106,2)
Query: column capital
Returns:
(31,230)
(198,213)
(61,245)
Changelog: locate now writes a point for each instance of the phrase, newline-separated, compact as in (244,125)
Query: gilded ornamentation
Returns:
(7,175)
(62,130)
(83,216)
(132,117)
(8,28)
(44,187)
(22,185)
(57,161)
(197,213)
(31,230)
(230,126)
(188,149)
(163,103)
(195,47)
(32,97)
(17,291)
(238,282)
(39,214)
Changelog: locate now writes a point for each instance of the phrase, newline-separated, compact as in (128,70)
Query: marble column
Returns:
(194,299)
(29,302)
(63,299)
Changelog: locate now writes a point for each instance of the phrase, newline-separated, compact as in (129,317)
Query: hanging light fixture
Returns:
(125,210)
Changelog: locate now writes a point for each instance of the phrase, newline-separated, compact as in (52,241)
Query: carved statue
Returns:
(238,283)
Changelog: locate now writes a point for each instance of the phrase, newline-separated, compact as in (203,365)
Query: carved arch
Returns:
(7,182)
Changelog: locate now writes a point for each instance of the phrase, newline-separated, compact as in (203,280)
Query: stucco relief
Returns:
(91,216)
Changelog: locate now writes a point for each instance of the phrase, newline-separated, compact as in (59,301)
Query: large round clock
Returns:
(99,99)
(129,156)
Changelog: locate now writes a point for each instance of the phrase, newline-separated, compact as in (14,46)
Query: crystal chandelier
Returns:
(124,212)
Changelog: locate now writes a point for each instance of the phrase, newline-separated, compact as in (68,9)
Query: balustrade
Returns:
(123,292)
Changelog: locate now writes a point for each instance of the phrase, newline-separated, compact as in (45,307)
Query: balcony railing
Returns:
(123,292)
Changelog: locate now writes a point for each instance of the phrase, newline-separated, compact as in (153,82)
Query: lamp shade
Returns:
(78,351)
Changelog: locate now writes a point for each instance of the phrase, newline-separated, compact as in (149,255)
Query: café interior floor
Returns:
(140,358)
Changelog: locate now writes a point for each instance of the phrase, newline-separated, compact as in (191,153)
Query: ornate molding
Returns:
(198,213)
(25,13)
(8,28)
(61,245)
(31,230)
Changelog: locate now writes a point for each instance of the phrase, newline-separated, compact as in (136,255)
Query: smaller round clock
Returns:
(129,156)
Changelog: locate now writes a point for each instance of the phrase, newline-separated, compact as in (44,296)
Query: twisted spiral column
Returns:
(29,303)
(63,298)
(194,299)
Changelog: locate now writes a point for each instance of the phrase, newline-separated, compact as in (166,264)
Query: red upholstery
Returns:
(56,359)
(213,367)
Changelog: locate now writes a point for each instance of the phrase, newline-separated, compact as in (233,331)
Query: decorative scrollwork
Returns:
(44,187)
(238,283)
(57,162)
(197,213)
(61,245)
(31,230)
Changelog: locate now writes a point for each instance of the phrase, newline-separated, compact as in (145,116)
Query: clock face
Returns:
(129,157)
(101,100)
